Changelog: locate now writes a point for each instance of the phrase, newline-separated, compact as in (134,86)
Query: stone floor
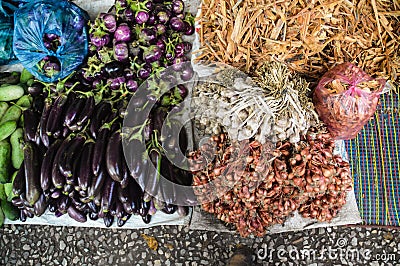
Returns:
(177,245)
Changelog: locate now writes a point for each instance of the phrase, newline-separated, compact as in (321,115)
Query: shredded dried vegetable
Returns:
(310,36)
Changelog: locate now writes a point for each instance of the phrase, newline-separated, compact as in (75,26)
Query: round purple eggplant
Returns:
(178,6)
(142,17)
(122,33)
(189,29)
(152,54)
(163,16)
(177,24)
(121,51)
(100,40)
(109,22)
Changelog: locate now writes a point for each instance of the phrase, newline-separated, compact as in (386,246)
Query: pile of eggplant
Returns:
(136,40)
(74,163)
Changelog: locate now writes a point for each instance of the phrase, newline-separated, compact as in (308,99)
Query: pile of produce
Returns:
(273,106)
(104,142)
(256,193)
(140,40)
(311,37)
(14,104)
(73,156)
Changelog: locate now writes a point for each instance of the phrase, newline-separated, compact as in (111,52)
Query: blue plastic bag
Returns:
(62,21)
(6,39)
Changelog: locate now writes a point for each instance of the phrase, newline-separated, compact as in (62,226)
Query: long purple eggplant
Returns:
(53,205)
(124,194)
(63,203)
(77,215)
(55,116)
(128,208)
(73,111)
(76,167)
(134,158)
(108,194)
(126,177)
(85,174)
(93,216)
(66,160)
(97,184)
(144,208)
(146,219)
(32,173)
(31,126)
(136,193)
(47,165)
(43,122)
(113,156)
(167,188)
(102,111)
(22,216)
(56,194)
(40,206)
(169,209)
(93,207)
(27,214)
(119,209)
(159,116)
(19,182)
(99,150)
(86,113)
(17,202)
(122,221)
(152,179)
(57,178)
(108,219)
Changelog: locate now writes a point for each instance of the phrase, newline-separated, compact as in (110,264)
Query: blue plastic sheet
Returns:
(61,18)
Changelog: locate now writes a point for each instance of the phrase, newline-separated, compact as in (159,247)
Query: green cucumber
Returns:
(5,158)
(25,76)
(13,113)
(2,217)
(11,93)
(25,101)
(3,108)
(3,195)
(6,129)
(10,211)
(8,190)
(17,148)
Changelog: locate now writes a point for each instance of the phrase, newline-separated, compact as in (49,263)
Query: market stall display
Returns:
(271,157)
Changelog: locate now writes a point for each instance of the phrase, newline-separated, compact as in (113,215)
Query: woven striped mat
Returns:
(375,164)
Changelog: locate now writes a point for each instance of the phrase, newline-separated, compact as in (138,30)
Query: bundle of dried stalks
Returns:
(311,36)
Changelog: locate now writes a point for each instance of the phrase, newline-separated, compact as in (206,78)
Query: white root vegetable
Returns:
(273,106)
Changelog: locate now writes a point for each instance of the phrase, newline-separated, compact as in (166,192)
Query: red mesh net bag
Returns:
(346,98)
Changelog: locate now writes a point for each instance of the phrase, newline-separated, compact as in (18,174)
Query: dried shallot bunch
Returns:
(257,186)
(328,178)
(250,194)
